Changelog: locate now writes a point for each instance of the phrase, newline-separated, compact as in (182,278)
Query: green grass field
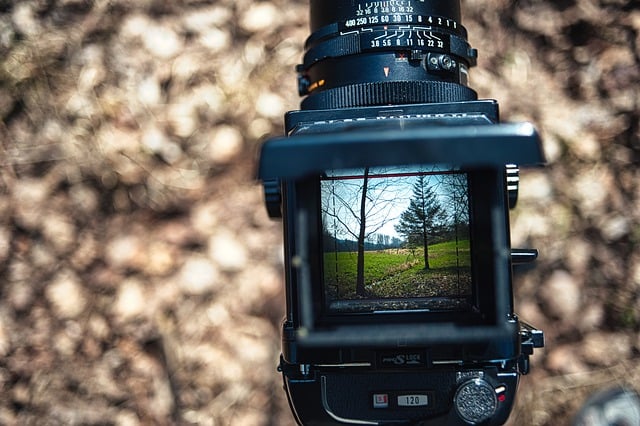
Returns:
(401,273)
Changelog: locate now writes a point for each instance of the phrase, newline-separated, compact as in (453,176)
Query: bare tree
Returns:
(360,290)
(456,199)
(356,207)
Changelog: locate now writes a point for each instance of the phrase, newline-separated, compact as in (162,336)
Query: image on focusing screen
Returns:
(396,239)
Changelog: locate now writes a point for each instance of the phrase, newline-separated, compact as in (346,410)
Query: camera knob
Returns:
(475,401)
(273,197)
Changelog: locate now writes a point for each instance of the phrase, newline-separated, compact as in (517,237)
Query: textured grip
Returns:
(388,93)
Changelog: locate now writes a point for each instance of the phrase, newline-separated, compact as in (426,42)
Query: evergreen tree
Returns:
(423,219)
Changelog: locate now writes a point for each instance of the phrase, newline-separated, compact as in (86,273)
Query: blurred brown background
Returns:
(141,279)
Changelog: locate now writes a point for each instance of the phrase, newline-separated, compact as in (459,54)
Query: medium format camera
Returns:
(394,184)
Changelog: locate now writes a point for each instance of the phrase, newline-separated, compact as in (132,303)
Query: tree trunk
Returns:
(360,290)
(425,243)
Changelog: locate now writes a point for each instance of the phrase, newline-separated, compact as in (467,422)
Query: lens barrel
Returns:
(365,53)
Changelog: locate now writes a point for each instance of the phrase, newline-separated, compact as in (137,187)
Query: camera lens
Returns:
(365,53)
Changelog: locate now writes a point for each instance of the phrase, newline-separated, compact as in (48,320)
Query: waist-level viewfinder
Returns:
(394,184)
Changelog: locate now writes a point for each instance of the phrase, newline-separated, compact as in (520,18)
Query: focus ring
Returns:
(388,93)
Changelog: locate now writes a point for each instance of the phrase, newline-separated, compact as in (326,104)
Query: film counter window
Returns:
(396,240)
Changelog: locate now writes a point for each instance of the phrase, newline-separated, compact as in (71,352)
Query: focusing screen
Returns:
(396,239)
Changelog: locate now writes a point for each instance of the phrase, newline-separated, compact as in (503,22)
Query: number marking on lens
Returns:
(362,19)
(373,39)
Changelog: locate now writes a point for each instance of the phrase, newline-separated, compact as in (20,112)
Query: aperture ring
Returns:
(390,40)
(388,93)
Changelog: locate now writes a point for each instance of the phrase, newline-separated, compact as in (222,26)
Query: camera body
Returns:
(394,189)
(453,357)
